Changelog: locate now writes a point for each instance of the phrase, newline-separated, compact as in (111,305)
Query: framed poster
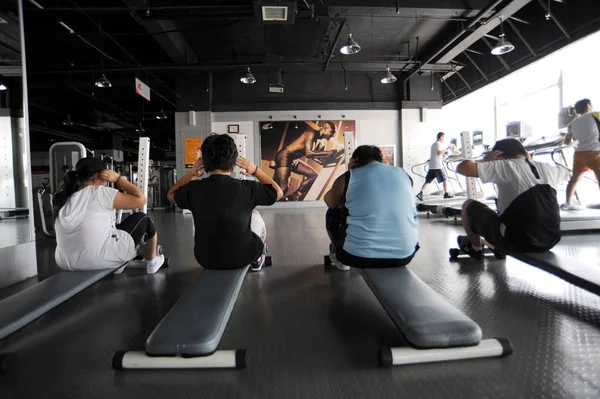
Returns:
(304,157)
(233,128)
(191,151)
(389,154)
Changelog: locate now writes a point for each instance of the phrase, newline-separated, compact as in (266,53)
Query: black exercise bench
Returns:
(567,268)
(189,335)
(22,308)
(435,330)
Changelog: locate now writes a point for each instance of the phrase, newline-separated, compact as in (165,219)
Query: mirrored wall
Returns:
(17,236)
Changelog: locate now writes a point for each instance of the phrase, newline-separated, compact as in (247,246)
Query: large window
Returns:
(532,95)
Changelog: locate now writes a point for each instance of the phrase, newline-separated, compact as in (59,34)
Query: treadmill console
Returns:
(565,116)
(477,138)
(518,130)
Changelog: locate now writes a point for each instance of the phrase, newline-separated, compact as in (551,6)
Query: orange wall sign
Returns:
(192,151)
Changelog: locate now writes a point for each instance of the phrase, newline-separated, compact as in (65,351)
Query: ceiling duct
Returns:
(268,12)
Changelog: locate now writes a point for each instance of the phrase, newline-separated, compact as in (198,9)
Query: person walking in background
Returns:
(436,166)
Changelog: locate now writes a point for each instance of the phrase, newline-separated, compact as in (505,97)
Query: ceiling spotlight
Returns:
(3,86)
(248,78)
(388,78)
(350,47)
(68,121)
(103,82)
(162,115)
(503,46)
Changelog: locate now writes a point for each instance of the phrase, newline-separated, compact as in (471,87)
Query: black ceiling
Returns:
(70,43)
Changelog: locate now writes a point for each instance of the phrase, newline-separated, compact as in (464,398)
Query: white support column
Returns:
(467,153)
(240,141)
(348,146)
(143,167)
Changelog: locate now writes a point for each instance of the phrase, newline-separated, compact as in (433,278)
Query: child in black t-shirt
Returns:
(230,233)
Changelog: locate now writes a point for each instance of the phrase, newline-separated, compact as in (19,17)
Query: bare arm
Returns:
(308,139)
(195,171)
(249,168)
(133,197)
(569,137)
(333,198)
(467,168)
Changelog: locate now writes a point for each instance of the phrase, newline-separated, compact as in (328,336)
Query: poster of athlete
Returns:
(304,157)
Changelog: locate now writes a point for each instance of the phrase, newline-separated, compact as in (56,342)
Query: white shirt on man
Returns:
(86,233)
(435,160)
(585,132)
(514,176)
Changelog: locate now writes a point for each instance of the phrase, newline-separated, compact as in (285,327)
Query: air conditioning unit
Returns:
(274,11)
(276,88)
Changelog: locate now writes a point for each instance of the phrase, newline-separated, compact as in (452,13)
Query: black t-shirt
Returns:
(222,208)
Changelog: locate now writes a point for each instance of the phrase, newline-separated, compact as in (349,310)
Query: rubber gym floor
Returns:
(313,332)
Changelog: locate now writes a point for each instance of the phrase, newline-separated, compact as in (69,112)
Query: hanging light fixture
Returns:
(388,78)
(350,47)
(103,82)
(248,78)
(68,121)
(3,86)
(503,46)
(162,115)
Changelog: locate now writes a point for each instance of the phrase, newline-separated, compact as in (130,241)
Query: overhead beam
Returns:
(174,44)
(520,35)
(288,66)
(480,32)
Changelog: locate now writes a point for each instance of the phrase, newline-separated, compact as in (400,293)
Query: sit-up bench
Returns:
(20,309)
(189,335)
(565,267)
(435,329)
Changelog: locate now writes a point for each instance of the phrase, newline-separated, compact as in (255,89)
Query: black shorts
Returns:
(485,222)
(139,226)
(438,174)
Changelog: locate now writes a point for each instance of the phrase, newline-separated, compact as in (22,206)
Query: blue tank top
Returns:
(382,214)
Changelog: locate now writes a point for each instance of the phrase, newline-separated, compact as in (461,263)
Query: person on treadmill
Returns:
(436,166)
(528,218)
(372,217)
(229,232)
(310,144)
(87,235)
(584,130)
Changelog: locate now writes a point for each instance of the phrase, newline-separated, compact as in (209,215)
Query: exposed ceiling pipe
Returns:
(335,41)
(358,66)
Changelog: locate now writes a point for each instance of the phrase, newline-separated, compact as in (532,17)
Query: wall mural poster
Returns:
(192,151)
(389,154)
(304,157)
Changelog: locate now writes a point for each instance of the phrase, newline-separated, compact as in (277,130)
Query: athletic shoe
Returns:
(570,207)
(446,195)
(155,264)
(122,269)
(338,265)
(465,246)
(420,196)
(257,265)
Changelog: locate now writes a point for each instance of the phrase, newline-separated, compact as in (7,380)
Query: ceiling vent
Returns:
(268,12)
(274,13)
(276,88)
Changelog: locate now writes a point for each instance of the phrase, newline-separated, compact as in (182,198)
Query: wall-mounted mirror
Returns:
(17,236)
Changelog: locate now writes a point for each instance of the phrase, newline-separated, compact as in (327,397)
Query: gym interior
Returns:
(141,84)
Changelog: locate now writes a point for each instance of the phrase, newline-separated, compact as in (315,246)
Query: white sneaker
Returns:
(153,266)
(258,264)
(570,207)
(339,265)
(121,270)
